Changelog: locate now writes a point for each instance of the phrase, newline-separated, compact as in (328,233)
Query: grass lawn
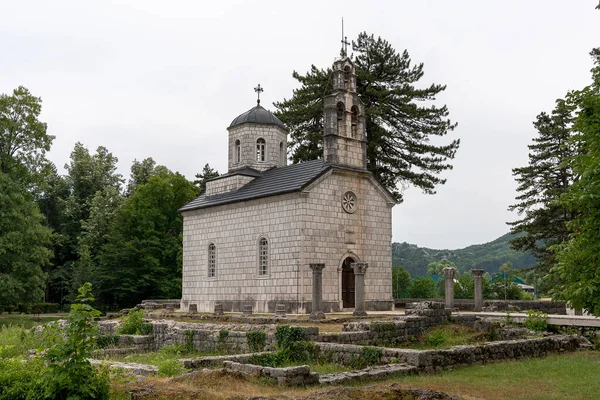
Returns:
(24,321)
(446,336)
(565,376)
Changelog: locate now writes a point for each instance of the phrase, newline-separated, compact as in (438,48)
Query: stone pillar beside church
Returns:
(477,274)
(449,276)
(359,289)
(317,291)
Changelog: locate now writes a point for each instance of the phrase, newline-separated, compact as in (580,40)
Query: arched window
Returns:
(282,153)
(263,257)
(238,152)
(260,150)
(346,74)
(340,111)
(212,260)
(354,114)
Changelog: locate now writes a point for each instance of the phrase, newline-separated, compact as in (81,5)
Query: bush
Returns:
(170,367)
(256,340)
(369,356)
(436,338)
(286,335)
(69,374)
(107,340)
(536,321)
(133,324)
(16,340)
(422,288)
(20,380)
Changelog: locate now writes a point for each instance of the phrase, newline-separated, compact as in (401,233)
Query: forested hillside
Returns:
(487,256)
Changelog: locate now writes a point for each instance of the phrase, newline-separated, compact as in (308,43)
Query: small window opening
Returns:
(212,260)
(238,149)
(260,150)
(263,257)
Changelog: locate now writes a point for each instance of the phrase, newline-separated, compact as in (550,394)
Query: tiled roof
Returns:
(274,181)
(257,115)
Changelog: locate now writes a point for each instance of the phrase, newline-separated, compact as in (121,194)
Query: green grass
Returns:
(24,321)
(446,336)
(166,353)
(566,376)
(16,340)
(329,368)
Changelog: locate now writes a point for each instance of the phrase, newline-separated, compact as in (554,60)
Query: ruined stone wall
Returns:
(459,355)
(549,307)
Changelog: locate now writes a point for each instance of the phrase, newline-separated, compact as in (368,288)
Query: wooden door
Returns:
(347,283)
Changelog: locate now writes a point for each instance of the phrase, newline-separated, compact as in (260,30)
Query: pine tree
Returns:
(540,185)
(399,127)
(578,259)
(206,174)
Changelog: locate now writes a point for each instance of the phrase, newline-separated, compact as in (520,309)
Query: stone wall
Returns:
(294,376)
(549,307)
(460,355)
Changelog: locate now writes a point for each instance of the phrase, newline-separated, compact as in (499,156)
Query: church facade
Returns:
(251,237)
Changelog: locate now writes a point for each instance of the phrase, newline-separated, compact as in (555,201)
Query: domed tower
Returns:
(344,119)
(257,139)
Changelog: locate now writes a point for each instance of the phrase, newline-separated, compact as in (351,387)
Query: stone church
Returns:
(251,237)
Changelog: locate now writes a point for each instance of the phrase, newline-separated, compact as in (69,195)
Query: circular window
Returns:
(349,202)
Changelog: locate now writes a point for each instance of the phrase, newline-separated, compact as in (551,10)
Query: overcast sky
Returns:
(164,79)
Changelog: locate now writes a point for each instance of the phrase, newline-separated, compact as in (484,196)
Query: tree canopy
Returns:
(403,126)
(578,265)
(541,183)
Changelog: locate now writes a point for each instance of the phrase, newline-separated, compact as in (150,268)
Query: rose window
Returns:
(349,202)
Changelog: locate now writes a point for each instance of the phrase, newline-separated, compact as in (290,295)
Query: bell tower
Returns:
(344,119)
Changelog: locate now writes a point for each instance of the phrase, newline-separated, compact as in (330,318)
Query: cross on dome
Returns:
(258,90)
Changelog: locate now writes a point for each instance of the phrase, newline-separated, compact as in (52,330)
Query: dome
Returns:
(257,115)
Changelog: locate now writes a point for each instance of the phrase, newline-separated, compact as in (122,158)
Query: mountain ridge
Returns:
(487,256)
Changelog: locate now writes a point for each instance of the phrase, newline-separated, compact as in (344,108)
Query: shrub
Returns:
(170,367)
(69,373)
(286,335)
(256,340)
(436,338)
(422,288)
(20,380)
(107,340)
(189,341)
(16,340)
(133,324)
(369,356)
(536,321)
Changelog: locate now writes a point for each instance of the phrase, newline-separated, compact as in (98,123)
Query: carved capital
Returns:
(449,272)
(317,267)
(478,273)
(359,268)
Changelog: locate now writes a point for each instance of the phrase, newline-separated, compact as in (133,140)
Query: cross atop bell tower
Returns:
(345,42)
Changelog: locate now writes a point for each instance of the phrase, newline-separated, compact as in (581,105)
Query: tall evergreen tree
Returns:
(206,174)
(578,268)
(400,122)
(541,183)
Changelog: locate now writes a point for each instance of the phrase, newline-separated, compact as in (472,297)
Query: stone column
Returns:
(359,289)
(317,291)
(449,274)
(477,274)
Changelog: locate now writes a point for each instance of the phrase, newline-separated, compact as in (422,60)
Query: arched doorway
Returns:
(348,283)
